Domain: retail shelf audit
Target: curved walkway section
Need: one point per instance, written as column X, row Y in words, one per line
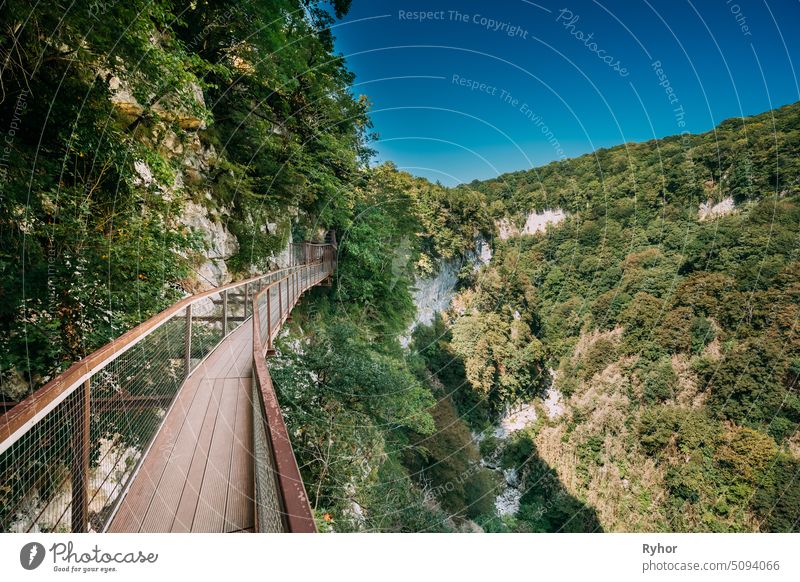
column 173, row 426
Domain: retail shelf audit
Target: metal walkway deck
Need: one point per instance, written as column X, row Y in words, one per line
column 198, row 474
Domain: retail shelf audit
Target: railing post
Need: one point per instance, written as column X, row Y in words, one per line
column 269, row 320
column 80, row 458
column 187, row 342
column 246, row 293
column 224, row 313
column 280, row 302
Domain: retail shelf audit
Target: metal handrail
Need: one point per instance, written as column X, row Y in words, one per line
column 74, row 388
column 296, row 514
column 14, row 423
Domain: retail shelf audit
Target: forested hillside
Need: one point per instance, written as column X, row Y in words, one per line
column 652, row 331
column 666, row 304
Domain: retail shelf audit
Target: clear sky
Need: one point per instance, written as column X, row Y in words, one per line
column 472, row 89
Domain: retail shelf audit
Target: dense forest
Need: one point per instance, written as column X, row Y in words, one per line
column 660, row 314
column 666, row 306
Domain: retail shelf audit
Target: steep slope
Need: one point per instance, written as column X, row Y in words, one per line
column 672, row 328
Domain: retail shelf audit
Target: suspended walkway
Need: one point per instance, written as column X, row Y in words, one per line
column 172, row 427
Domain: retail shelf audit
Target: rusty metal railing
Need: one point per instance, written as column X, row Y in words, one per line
column 69, row 450
column 280, row 496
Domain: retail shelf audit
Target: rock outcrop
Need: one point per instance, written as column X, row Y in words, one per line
column 433, row 295
column 709, row 210
column 535, row 223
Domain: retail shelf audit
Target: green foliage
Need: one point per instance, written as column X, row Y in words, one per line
column 702, row 334
column 433, row 355
column 608, row 307
column 656, row 428
column 503, row 361
column 641, row 317
column 517, row 451
column 659, row 382
column 448, row 463
column 599, row 355
column 547, row 507
column 748, row 387
column 777, row 498
column 717, row 297
column 349, row 405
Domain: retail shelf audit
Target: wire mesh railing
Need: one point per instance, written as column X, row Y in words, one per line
column 280, row 496
column 69, row 450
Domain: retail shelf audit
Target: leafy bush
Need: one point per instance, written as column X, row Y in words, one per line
column 659, row 382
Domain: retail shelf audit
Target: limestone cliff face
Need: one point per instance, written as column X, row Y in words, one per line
column 433, row 295
column 710, row 210
column 535, row 223
column 176, row 137
column 220, row 244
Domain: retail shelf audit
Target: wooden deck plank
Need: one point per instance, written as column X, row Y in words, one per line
column 167, row 494
column 242, row 367
column 241, row 356
column 134, row 505
column 210, row 514
column 191, row 488
column 164, row 474
column 240, row 504
column 236, row 348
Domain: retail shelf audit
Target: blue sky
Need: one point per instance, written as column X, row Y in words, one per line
column 469, row 90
